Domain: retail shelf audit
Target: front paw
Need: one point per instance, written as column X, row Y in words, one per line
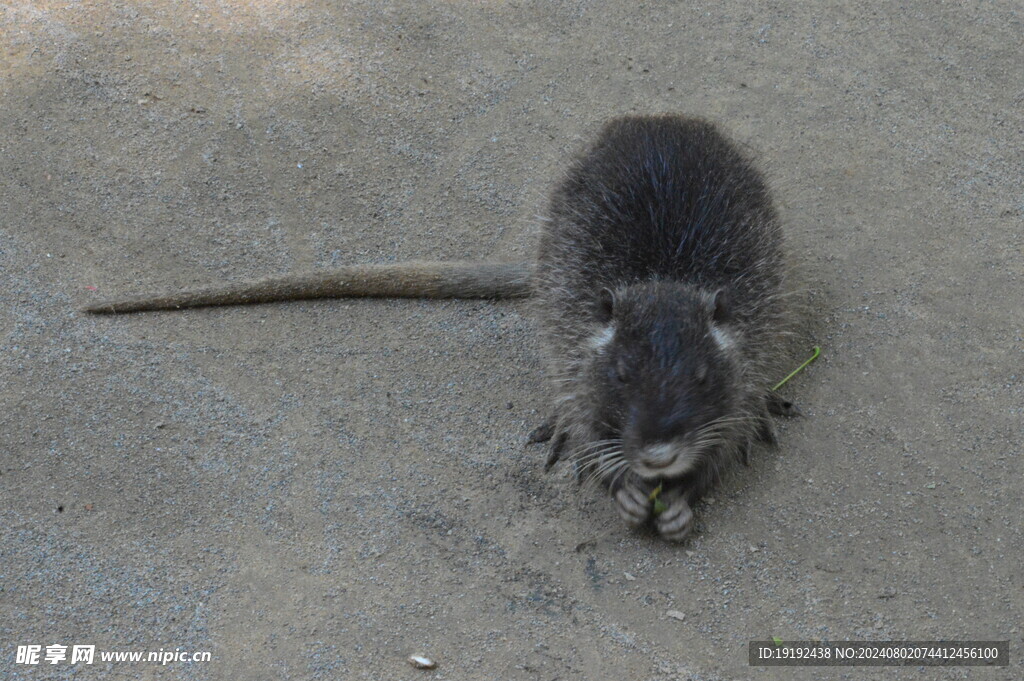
column 676, row 521
column 634, row 504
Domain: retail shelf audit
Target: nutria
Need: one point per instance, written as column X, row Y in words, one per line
column 657, row 288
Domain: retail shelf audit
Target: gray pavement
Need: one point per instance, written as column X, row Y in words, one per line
column 318, row 490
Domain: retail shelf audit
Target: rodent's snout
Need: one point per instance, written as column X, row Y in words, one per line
column 657, row 456
column 658, row 434
column 663, row 460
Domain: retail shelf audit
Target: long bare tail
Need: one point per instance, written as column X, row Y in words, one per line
column 400, row 280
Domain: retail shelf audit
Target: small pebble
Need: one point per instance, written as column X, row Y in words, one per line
column 421, row 662
column 676, row 615
column 629, row 577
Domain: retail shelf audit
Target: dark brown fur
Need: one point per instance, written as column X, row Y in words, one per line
column 663, row 232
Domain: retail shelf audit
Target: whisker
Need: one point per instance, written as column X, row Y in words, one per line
column 609, row 465
column 622, row 471
column 597, row 457
column 588, row 446
column 599, row 471
column 594, row 452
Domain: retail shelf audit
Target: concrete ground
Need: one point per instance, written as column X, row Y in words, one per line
column 318, row 490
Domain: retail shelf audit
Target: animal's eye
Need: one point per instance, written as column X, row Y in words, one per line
column 621, row 370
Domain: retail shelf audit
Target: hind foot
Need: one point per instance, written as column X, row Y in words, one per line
column 546, row 432
column 780, row 406
column 541, row 433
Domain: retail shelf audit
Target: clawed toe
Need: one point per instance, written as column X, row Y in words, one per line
column 555, row 452
column 548, row 432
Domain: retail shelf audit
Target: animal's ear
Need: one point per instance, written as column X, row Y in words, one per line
column 605, row 305
column 718, row 303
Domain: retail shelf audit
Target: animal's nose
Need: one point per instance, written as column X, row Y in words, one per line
column 658, row 456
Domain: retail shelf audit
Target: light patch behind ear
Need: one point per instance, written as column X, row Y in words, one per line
column 717, row 303
column 602, row 338
column 723, row 339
